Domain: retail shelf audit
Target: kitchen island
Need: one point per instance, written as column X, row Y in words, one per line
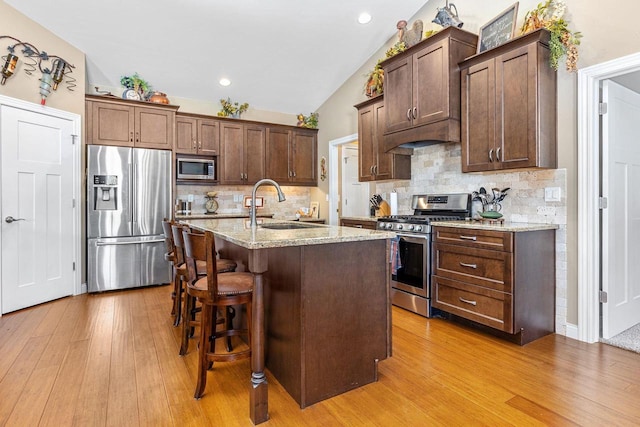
column 321, row 310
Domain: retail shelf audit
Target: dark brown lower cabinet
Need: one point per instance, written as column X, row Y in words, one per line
column 327, row 315
column 503, row 280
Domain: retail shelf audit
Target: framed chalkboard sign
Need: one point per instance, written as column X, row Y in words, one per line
column 499, row 30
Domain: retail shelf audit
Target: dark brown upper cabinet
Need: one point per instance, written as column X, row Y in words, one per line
column 129, row 123
column 509, row 106
column 291, row 155
column 242, row 153
column 198, row 135
column 373, row 163
column 422, row 90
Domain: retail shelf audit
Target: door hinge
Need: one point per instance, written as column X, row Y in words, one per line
column 73, row 139
column 602, row 203
column 603, row 297
column 602, row 108
column 74, row 266
column 73, row 203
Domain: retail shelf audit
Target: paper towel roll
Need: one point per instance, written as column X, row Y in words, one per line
column 393, row 201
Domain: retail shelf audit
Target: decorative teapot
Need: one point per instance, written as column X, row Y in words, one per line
column 447, row 17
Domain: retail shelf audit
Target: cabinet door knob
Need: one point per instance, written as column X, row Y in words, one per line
column 415, row 112
column 491, row 155
column 468, row 238
column 498, row 154
column 194, row 144
column 137, row 136
column 130, row 136
column 199, row 145
column 409, row 114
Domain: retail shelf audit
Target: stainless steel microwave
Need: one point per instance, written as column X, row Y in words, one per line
column 192, row 168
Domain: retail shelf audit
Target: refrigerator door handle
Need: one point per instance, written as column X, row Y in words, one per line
column 133, row 192
column 138, row 242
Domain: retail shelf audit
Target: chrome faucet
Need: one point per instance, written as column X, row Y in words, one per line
column 252, row 208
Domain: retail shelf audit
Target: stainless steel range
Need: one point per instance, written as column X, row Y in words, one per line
column 411, row 250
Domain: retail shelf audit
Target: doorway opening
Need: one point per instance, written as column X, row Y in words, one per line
column 590, row 200
column 336, row 183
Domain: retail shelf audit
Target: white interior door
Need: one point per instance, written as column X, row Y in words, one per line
column 621, row 219
column 37, row 192
column 355, row 194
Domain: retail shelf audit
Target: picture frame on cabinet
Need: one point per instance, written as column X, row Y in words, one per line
column 499, row 30
column 314, row 209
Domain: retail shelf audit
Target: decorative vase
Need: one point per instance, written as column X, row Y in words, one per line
column 235, row 115
column 159, row 98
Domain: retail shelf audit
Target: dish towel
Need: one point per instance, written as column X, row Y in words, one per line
column 394, row 255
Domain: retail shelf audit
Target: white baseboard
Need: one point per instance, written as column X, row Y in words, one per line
column 572, row 331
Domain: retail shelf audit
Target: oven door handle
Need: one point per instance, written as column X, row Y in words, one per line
column 413, row 238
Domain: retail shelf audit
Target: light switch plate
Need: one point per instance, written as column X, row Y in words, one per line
column 259, row 201
column 552, row 194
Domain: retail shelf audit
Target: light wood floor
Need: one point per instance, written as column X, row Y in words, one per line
column 112, row 359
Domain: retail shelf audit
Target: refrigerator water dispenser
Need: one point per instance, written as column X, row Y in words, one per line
column 105, row 192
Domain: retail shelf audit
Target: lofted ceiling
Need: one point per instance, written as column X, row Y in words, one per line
column 281, row 55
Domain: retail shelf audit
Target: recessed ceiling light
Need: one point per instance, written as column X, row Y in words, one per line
column 225, row 82
column 364, row 18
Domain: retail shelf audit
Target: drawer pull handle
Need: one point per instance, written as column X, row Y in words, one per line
column 466, row 301
column 468, row 265
column 468, row 238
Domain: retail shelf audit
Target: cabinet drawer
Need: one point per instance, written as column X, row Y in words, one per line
column 482, row 305
column 372, row 225
column 496, row 240
column 491, row 269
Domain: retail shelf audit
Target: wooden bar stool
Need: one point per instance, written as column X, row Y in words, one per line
column 214, row 291
column 180, row 268
column 175, row 276
column 189, row 309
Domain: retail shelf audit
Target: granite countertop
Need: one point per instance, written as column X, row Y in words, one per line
column 239, row 232
column 219, row 216
column 495, row 226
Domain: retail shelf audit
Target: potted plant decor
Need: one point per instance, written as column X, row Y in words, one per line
column 563, row 42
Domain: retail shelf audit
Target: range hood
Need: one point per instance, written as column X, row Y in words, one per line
column 421, row 136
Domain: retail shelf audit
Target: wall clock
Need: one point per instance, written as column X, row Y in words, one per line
column 131, row 94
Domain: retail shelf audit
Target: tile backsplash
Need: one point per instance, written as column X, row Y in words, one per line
column 231, row 198
column 437, row 169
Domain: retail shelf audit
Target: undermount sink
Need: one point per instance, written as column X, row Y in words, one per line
column 286, row 226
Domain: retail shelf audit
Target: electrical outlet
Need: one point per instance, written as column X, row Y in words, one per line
column 552, row 194
column 546, row 210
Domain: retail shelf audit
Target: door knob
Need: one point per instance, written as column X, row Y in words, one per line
column 11, row 219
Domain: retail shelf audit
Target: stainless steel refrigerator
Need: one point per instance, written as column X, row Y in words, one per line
column 128, row 195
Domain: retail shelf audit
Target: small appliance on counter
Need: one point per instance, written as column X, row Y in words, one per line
column 183, row 207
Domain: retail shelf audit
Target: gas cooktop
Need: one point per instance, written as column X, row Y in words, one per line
column 428, row 208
